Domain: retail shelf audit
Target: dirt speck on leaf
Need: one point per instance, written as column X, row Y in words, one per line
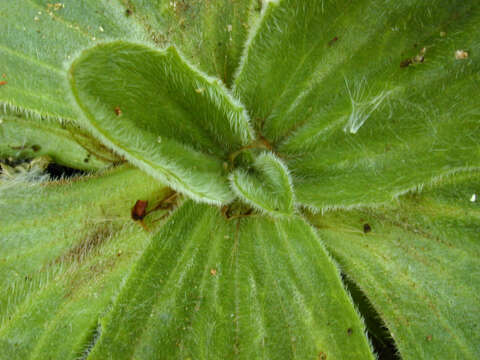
column 405, row 63
column 333, row 41
column 367, row 228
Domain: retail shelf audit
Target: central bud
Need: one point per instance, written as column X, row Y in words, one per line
column 176, row 123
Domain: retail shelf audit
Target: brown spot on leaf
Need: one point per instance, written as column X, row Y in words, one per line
column 322, row 356
column 405, row 63
column 3, row 83
column 234, row 211
column 118, row 111
column 429, row 337
column 333, row 41
column 349, row 331
column 417, row 59
column 91, row 241
column 213, row 272
column 367, row 228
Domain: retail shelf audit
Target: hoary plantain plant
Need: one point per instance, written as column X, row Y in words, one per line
column 289, row 179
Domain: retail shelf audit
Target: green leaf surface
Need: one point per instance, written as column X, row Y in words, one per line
column 65, row 248
column 418, row 263
column 65, row 144
column 40, row 36
column 161, row 114
column 209, row 288
column 359, row 101
column 211, row 34
column 41, row 221
column 267, row 186
column 365, row 99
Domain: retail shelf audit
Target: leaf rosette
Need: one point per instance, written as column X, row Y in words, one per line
column 294, row 134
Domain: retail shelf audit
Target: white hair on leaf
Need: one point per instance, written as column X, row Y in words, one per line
column 363, row 104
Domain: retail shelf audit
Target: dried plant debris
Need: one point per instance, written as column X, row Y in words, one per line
column 417, row 59
column 11, row 169
column 461, row 55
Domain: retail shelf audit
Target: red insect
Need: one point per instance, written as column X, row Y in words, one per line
column 139, row 210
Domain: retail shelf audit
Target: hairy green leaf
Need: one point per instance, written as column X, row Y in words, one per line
column 40, row 36
column 359, row 101
column 418, row 263
column 267, row 186
column 162, row 115
column 364, row 99
column 211, row 34
column 67, row 145
column 209, row 288
column 44, row 219
column 65, row 248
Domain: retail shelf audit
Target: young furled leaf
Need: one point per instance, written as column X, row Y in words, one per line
column 162, row 115
column 267, row 186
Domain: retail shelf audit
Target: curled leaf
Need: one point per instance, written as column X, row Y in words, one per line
column 164, row 116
